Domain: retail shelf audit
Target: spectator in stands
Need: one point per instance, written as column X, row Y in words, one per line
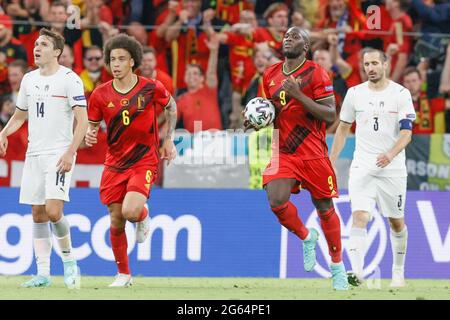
column 16, row 71
column 323, row 58
column 149, row 70
column 187, row 40
column 200, row 102
column 261, row 60
column 435, row 18
column 351, row 69
column 10, row 46
column 137, row 30
column 230, row 11
column 66, row 58
column 94, row 72
column 429, row 112
column 277, row 17
column 6, row 110
column 343, row 18
column 240, row 61
column 444, row 87
column 397, row 43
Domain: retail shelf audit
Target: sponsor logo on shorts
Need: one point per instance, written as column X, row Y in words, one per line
column 410, row 116
column 329, row 88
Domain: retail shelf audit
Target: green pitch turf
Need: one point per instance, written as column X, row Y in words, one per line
column 220, row 289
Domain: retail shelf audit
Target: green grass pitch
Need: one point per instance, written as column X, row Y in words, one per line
column 96, row 288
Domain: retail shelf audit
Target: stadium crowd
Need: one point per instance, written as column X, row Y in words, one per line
column 211, row 55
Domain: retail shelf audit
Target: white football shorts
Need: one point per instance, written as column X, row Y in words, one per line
column 41, row 181
column 388, row 193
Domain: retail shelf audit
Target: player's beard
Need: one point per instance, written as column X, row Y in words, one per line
column 377, row 79
column 294, row 54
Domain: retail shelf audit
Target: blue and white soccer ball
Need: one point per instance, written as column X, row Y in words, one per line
column 260, row 112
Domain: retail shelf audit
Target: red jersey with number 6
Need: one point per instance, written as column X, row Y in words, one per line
column 132, row 129
column 300, row 133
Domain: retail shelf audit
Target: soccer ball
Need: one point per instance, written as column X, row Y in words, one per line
column 260, row 112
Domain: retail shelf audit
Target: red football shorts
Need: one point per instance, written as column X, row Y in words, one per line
column 316, row 175
column 115, row 185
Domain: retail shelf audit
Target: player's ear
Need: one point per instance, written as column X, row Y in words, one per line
column 132, row 62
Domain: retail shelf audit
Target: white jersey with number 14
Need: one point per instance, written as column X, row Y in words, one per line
column 49, row 101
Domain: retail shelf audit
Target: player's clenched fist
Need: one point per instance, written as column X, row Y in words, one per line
column 3, row 145
column 291, row 86
column 91, row 137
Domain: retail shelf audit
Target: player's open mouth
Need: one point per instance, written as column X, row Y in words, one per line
column 37, row 55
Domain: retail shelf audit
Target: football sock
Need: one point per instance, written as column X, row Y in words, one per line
column 42, row 247
column 61, row 230
column 357, row 249
column 331, row 227
column 398, row 244
column 287, row 215
column 119, row 246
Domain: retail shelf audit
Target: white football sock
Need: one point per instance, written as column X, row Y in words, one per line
column 42, row 247
column 398, row 244
column 61, row 229
column 357, row 249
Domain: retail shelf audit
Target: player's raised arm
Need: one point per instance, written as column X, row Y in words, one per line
column 12, row 126
column 169, row 151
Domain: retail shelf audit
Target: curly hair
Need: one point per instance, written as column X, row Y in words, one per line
column 123, row 41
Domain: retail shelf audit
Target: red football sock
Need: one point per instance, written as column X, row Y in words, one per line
column 144, row 214
column 288, row 217
column 119, row 246
column 331, row 227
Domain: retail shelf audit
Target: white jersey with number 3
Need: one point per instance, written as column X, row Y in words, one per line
column 49, row 101
column 378, row 115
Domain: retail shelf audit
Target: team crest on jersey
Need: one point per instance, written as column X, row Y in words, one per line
column 124, row 102
column 381, row 104
column 46, row 88
column 110, row 105
column 446, row 145
column 141, row 102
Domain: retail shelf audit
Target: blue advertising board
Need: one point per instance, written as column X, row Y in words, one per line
column 224, row 233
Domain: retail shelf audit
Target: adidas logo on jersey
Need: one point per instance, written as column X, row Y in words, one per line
column 110, row 105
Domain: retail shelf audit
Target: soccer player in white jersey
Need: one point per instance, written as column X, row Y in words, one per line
column 384, row 113
column 50, row 97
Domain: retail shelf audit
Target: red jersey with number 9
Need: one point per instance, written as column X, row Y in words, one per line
column 132, row 129
column 300, row 133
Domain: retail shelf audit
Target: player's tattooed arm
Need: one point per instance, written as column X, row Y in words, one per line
column 168, row 151
column 324, row 110
column 170, row 112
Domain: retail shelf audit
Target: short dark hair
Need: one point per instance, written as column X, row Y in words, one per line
column 124, row 41
column 57, row 39
column 410, row 70
column 382, row 54
column 196, row 65
column 22, row 64
column 149, row 50
column 58, row 3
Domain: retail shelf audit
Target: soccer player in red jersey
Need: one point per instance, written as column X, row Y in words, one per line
column 128, row 105
column 302, row 94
